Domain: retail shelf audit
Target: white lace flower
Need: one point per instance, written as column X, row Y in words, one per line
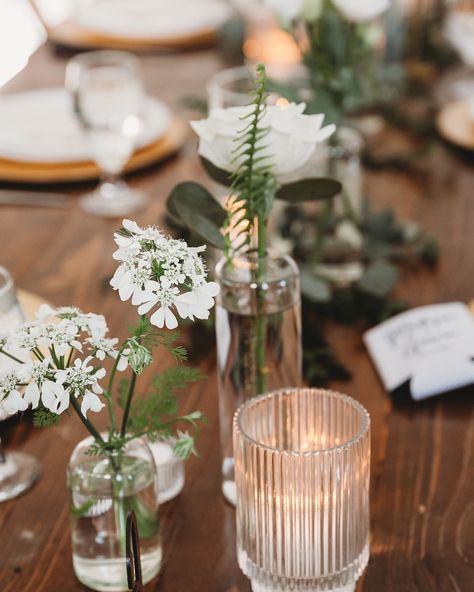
column 163, row 274
column 38, row 372
column 61, row 336
column 91, row 323
column 81, row 380
column 361, row 10
column 55, row 397
column 103, row 347
column 11, row 400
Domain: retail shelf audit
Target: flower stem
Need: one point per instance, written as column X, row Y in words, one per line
column 126, row 412
column 93, row 431
column 110, row 408
column 14, row 358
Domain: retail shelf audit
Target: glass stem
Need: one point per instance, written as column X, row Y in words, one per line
column 3, row 456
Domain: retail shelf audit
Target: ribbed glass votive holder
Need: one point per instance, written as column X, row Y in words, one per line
column 302, row 466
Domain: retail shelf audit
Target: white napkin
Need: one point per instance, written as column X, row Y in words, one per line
column 431, row 347
column 153, row 19
column 39, row 126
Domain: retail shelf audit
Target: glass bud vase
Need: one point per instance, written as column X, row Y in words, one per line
column 103, row 490
column 247, row 312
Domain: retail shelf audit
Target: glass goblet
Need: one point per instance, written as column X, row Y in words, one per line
column 18, row 471
column 107, row 93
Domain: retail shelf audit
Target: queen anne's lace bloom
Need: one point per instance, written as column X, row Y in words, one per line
column 55, row 372
column 164, row 274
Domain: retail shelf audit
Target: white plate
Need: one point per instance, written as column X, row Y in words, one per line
column 39, row 126
column 152, row 19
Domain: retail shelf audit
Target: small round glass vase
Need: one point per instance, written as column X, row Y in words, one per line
column 103, row 490
column 237, row 328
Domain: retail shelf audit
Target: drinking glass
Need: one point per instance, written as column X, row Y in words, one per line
column 107, row 94
column 302, row 465
column 18, row 471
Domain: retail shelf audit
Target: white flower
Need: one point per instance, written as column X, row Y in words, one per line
column 459, row 31
column 289, row 144
column 11, row 400
column 102, row 347
column 81, row 379
column 163, row 274
column 286, row 10
column 198, row 302
column 91, row 402
column 361, row 10
column 290, row 10
column 54, row 397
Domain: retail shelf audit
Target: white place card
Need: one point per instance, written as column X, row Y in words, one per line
column 431, row 348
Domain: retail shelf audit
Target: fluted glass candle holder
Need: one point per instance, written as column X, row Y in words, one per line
column 302, row 460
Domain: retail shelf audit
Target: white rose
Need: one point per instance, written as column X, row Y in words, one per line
column 361, row 10
column 290, row 142
column 286, row 10
column 459, row 31
column 290, row 10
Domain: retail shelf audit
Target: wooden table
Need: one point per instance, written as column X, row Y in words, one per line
column 422, row 503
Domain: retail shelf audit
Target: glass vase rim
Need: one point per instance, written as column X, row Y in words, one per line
column 90, row 439
column 112, row 56
column 363, row 430
column 271, row 255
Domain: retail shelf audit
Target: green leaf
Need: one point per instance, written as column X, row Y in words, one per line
column 309, row 190
column 199, row 211
column 314, row 288
column 218, row 175
column 379, row 279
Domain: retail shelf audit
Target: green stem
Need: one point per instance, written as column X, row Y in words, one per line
column 92, row 430
column 126, row 412
column 14, row 358
column 110, row 408
column 261, row 320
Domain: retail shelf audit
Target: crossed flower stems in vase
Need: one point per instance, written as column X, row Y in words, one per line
column 261, row 152
column 60, row 355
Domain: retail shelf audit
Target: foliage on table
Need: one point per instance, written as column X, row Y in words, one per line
column 340, row 40
column 60, row 356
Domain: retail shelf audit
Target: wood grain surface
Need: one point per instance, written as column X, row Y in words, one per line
column 422, row 490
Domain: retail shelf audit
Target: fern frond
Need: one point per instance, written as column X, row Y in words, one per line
column 253, row 185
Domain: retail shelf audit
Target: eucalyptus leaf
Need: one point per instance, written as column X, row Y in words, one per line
column 309, row 190
column 199, row 211
column 218, row 175
column 379, row 279
column 313, row 287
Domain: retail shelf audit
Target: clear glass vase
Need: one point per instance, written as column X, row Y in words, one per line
column 302, row 462
column 248, row 311
column 103, row 490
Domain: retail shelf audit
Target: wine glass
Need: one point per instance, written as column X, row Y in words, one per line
column 18, row 471
column 108, row 94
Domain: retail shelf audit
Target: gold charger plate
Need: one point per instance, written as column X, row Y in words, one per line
column 456, row 125
column 29, row 172
column 70, row 34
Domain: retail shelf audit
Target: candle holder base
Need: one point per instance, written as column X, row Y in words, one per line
column 256, row 587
